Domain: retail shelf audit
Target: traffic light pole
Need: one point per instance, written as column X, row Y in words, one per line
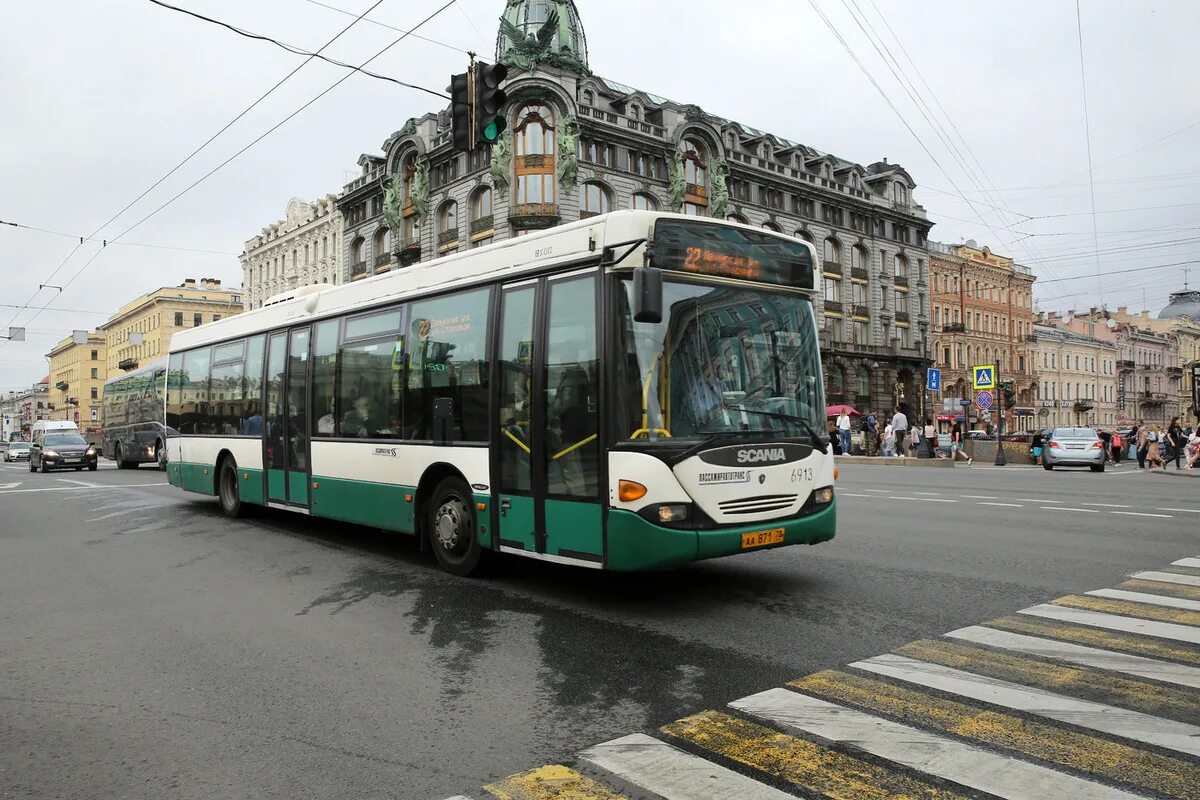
column 1001, row 459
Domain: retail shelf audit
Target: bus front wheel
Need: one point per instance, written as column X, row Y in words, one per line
column 227, row 489
column 451, row 528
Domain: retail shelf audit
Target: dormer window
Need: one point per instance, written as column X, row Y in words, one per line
column 635, row 111
column 900, row 193
column 589, row 98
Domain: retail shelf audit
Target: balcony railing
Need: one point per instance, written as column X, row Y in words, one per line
column 858, row 273
column 383, row 259
column 834, row 306
column 1124, row 363
column 127, row 364
column 860, row 311
column 1175, row 371
column 358, row 268
column 1032, row 338
column 448, row 237
column 902, row 316
column 954, row 327
column 535, row 210
column 483, row 224
column 901, row 280
column 832, row 267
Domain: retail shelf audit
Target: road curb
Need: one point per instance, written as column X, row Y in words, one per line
column 1194, row 473
column 893, row 461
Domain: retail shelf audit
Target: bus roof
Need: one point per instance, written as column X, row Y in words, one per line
column 559, row 245
column 160, row 363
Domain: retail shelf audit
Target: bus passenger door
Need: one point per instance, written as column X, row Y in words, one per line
column 512, row 445
column 286, row 451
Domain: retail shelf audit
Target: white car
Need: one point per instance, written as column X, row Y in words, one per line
column 17, row 451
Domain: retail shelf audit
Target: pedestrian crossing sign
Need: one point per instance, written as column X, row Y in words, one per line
column 985, row 376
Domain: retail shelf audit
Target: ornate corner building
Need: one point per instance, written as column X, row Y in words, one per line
column 578, row 145
column 304, row 247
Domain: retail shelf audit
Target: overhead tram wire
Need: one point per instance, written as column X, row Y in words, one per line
column 258, row 139
column 188, row 158
column 83, row 239
column 294, row 49
column 1087, row 129
column 379, row 24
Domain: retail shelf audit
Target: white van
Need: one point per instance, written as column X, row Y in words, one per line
column 44, row 426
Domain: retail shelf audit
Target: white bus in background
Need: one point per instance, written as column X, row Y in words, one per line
column 631, row 391
column 132, row 431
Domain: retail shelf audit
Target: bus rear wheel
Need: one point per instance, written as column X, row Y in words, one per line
column 451, row 528
column 119, row 457
column 227, row 489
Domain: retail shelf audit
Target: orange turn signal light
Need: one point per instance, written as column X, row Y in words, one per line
column 481, row 506
column 835, row 473
column 628, row 491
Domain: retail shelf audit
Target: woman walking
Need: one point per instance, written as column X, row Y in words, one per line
column 956, row 444
column 1175, row 442
column 1154, row 454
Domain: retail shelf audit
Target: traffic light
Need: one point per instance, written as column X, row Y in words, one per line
column 1006, row 388
column 460, row 111
column 489, row 102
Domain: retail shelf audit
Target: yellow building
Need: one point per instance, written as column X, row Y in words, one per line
column 77, row 374
column 140, row 332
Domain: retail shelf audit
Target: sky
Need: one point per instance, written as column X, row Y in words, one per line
column 102, row 99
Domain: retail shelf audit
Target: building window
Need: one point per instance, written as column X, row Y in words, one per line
column 95, row 355
column 900, row 193
column 178, row 319
column 900, row 266
column 534, row 139
column 833, row 290
column 644, row 202
column 95, row 392
column 448, row 226
column 381, row 243
column 589, row 98
column 594, row 199
column 95, row 372
column 695, row 176
column 216, row 317
column 358, row 251
column 859, row 257
column 196, row 321
column 833, row 252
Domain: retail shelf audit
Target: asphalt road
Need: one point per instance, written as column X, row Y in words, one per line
column 150, row 648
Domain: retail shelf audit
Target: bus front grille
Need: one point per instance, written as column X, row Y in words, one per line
column 757, row 505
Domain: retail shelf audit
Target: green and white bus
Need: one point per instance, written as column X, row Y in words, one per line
column 632, row 391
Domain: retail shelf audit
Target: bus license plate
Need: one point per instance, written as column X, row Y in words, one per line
column 762, row 538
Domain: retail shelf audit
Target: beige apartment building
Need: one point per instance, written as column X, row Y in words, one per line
column 1077, row 372
column 77, row 374
column 140, row 332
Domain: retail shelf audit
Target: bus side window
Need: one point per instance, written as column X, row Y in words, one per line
column 446, row 359
column 325, row 359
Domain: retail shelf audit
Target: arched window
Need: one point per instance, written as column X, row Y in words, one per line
column 644, row 202
column 738, row 218
column 533, row 133
column 900, row 193
column 358, row 251
column 589, row 97
column 481, row 207
column 833, row 252
column 635, row 111
column 805, row 235
column 593, row 199
column 448, row 220
column 771, row 226
column 381, row 245
column 901, row 266
column 859, row 257
column 695, row 176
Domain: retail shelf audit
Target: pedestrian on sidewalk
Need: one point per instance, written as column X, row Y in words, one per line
column 871, row 439
column 889, row 441
column 1118, row 445
column 1106, row 439
column 900, row 428
column 843, row 428
column 914, row 440
column 1143, row 445
column 1175, row 442
column 1154, row 448
column 1193, row 448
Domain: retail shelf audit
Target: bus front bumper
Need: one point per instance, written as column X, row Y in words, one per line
column 635, row 544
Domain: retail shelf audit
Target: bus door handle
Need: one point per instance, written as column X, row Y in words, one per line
column 505, row 505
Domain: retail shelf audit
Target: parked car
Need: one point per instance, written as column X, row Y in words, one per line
column 17, row 451
column 62, row 451
column 1075, row 447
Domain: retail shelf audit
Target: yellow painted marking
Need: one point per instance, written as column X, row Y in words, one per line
column 554, row 782
column 1113, row 761
column 1130, row 608
column 812, row 767
column 1158, row 587
column 1098, row 637
column 1178, row 702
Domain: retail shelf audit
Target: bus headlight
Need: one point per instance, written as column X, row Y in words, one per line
column 672, row 513
column 823, row 496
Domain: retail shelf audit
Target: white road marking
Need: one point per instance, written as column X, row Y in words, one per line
column 1037, row 500
column 922, row 500
column 83, row 483
column 979, row 496
column 1064, row 508
column 671, row 773
column 1005, row 505
column 1105, row 505
column 1138, row 666
column 929, row 494
column 878, row 491
column 1187, row 562
column 81, row 488
column 1150, row 599
column 1084, row 713
column 1167, row 577
column 852, row 494
column 953, row 760
column 1141, row 514
column 10, row 485
column 1114, row 622
column 1184, row 510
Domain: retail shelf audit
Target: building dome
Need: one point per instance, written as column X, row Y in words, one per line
column 1183, row 304
column 542, row 31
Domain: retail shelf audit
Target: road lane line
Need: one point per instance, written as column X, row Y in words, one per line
column 1163, row 589
column 1138, row 666
column 83, row 483
column 1127, row 608
column 1151, row 599
column 1141, row 514
column 1004, row 505
column 1118, row 762
column 1154, row 699
column 813, row 768
column 80, row 488
column 1038, row 500
column 1084, row 713
column 878, row 491
column 548, row 783
column 851, row 494
column 910, row 498
column 1064, row 508
column 1095, row 619
column 1187, row 562
column 1163, row 577
column 979, row 496
column 664, row 769
column 947, row 758
column 928, row 494
column 1098, row 638
column 1105, row 505
column 1184, row 510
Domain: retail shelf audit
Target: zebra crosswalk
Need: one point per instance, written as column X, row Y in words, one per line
column 1086, row 697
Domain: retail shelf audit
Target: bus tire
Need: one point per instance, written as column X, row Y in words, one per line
column 227, row 489
column 119, row 457
column 451, row 528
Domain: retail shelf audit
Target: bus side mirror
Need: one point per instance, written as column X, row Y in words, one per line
column 647, row 295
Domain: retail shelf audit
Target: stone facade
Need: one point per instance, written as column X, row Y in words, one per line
column 1077, row 371
column 155, row 316
column 579, row 145
column 77, row 375
column 982, row 313
column 19, row 410
column 304, row 247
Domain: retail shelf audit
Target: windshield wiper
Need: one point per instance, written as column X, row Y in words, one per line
column 820, row 442
column 705, row 444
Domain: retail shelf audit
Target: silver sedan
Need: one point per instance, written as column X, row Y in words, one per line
column 1073, row 447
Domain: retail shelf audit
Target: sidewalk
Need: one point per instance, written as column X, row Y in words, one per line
column 895, row 461
column 1178, row 473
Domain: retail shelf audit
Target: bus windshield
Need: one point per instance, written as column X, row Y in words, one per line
column 722, row 360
